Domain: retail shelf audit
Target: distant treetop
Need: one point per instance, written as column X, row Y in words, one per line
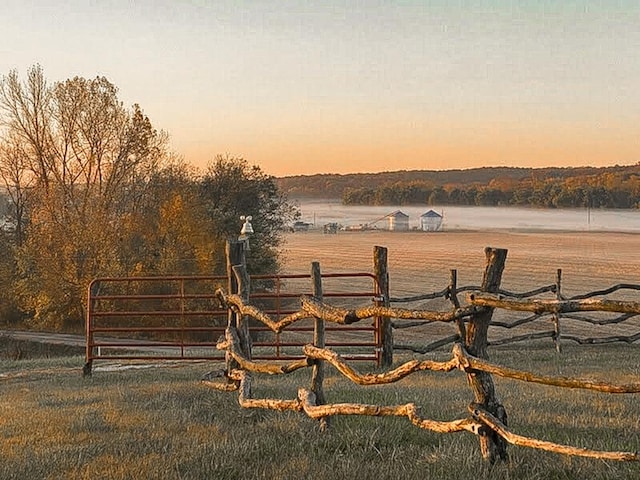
column 611, row 187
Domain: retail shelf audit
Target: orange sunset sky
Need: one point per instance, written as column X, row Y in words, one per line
column 303, row 87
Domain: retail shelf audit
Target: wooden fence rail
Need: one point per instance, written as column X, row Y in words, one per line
column 487, row 417
column 542, row 310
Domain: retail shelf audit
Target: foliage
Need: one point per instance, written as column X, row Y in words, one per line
column 231, row 188
column 9, row 312
column 74, row 161
column 93, row 190
column 605, row 190
column 610, row 187
column 164, row 231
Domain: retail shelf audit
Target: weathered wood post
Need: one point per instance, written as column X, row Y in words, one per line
column 453, row 298
column 242, row 321
column 492, row 446
column 384, row 325
column 317, row 375
column 235, row 256
column 92, row 293
column 556, row 316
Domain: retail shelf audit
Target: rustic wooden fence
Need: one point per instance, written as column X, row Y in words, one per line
column 548, row 314
column 487, row 417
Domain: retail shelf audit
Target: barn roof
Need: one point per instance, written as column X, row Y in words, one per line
column 431, row 214
column 398, row 214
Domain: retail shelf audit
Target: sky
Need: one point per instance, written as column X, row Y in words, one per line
column 305, row 87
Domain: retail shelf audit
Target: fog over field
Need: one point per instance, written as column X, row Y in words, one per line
column 592, row 248
column 320, row 212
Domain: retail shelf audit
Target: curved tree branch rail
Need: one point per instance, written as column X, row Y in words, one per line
column 480, row 420
column 561, row 307
column 581, row 303
column 554, row 306
column 446, row 292
column 487, row 418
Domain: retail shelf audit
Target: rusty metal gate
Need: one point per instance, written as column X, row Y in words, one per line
column 178, row 317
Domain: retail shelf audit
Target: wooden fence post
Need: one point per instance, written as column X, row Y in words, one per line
column 492, row 446
column 235, row 256
column 242, row 321
column 385, row 327
column 92, row 292
column 453, row 298
column 317, row 375
column 556, row 316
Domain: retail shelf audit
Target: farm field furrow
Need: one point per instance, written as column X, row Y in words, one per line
column 419, row 263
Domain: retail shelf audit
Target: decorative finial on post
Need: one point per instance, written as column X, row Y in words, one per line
column 247, row 229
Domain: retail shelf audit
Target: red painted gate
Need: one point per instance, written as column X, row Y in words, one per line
column 178, row 317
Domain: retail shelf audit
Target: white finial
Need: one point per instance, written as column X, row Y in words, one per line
column 247, row 228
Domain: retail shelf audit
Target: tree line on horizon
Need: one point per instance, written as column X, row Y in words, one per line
column 607, row 191
column 605, row 187
column 91, row 189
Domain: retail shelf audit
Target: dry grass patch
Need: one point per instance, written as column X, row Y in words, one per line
column 162, row 423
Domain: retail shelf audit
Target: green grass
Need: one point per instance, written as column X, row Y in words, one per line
column 163, row 423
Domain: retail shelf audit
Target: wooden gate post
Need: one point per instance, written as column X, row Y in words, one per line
column 235, row 256
column 492, row 446
column 92, row 292
column 235, row 253
column 242, row 321
column 384, row 326
column 317, row 375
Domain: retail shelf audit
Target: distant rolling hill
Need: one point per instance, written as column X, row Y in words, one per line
column 334, row 185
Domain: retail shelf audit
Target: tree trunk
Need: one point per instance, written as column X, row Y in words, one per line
column 493, row 447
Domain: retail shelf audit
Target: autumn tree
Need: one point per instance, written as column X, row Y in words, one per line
column 75, row 161
column 16, row 179
column 168, row 230
column 231, row 188
column 92, row 191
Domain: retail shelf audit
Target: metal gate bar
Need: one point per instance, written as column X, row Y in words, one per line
column 124, row 324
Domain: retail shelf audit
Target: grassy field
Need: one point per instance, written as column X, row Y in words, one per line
column 163, row 423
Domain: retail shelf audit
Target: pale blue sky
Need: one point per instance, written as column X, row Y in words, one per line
column 328, row 86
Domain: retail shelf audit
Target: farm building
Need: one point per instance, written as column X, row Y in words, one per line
column 431, row 221
column 398, row 221
column 301, row 226
column 331, row 228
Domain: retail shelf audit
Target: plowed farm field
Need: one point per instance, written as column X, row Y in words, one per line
column 420, row 262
